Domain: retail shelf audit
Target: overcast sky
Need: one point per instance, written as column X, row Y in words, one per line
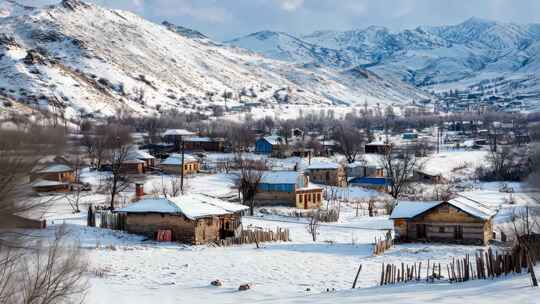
column 227, row 19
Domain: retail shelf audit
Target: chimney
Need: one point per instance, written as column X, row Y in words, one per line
column 139, row 191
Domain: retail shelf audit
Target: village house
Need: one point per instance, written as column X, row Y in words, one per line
column 52, row 178
column 273, row 145
column 147, row 158
column 459, row 220
column 289, row 188
column 133, row 166
column 428, row 176
column 206, row 144
column 176, row 136
column 377, row 147
column 173, row 164
column 331, row 174
column 192, row 218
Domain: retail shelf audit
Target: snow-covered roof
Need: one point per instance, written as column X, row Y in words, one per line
column 139, row 154
column 133, row 161
column 203, row 139
column 274, row 140
column 472, row 207
column 55, row 168
column 376, row 143
column 280, row 177
column 310, row 187
column 322, row 166
column 193, row 206
column 47, row 183
column 231, row 207
column 469, row 206
column 178, row 132
column 407, row 209
column 176, row 159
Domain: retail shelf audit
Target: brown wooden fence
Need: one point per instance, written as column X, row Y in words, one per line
column 255, row 236
column 484, row 265
column 381, row 245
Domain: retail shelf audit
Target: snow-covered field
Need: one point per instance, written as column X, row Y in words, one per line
column 129, row 269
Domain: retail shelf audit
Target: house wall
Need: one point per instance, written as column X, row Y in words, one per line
column 309, row 199
column 132, row 168
column 262, row 146
column 55, row 188
column 215, row 146
column 184, row 230
column 332, row 177
column 68, row 176
column 276, row 198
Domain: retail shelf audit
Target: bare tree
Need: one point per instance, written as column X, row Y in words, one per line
column 313, row 225
column 31, row 271
column 250, row 175
column 399, row 167
column 349, row 140
column 119, row 144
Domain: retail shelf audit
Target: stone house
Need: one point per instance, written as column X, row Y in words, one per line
column 193, row 219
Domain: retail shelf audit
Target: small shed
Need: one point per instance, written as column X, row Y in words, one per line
column 460, row 220
column 193, row 218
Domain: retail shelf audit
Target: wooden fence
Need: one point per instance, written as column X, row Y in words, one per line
column 484, row 265
column 107, row 219
column 381, row 245
column 256, row 236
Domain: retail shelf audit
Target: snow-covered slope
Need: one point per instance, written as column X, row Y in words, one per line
column 459, row 56
column 76, row 57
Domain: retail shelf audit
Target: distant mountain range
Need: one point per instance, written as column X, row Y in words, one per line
column 79, row 58
column 501, row 57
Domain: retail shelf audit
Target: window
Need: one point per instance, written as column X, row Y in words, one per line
column 441, row 229
column 300, row 198
column 318, row 197
column 444, row 209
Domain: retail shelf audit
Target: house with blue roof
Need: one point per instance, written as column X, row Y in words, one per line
column 288, row 188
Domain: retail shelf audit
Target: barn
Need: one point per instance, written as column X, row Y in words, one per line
column 193, row 218
column 459, row 220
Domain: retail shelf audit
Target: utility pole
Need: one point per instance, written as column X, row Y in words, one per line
column 182, row 166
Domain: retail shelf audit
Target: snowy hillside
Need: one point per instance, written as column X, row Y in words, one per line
column 80, row 58
column 463, row 56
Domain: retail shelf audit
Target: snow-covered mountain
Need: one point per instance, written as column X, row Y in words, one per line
column 470, row 54
column 76, row 57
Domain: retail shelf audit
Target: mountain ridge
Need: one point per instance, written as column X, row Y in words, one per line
column 75, row 57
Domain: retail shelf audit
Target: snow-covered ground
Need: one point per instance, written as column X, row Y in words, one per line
column 130, row 269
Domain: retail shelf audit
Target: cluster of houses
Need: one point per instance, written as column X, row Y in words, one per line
column 199, row 219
